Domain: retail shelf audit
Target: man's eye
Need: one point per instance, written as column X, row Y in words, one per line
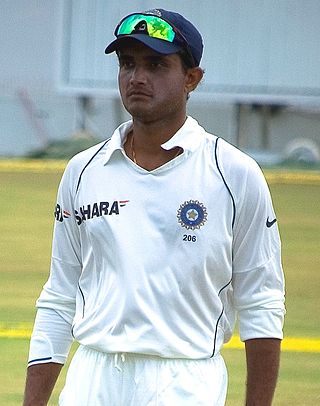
column 156, row 64
column 126, row 64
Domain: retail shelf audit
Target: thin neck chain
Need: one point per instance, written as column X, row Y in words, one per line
column 133, row 152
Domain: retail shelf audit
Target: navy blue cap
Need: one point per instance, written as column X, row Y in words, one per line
column 187, row 37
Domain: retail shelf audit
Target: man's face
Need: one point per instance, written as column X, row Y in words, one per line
column 152, row 85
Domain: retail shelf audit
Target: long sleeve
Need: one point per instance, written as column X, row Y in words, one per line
column 52, row 338
column 258, row 280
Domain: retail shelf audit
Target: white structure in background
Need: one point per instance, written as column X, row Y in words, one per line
column 261, row 88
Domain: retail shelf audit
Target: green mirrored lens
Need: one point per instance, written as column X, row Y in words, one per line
column 157, row 28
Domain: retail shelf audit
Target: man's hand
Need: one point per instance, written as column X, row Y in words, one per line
column 40, row 382
column 263, row 356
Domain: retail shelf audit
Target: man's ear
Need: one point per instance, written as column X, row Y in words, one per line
column 193, row 78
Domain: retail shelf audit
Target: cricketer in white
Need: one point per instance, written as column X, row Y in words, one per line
column 163, row 234
column 129, row 280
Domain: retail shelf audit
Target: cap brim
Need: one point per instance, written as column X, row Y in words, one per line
column 158, row 45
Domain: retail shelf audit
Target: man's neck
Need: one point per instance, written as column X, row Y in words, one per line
column 151, row 135
column 143, row 144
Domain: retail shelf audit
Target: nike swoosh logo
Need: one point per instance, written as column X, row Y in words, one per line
column 270, row 223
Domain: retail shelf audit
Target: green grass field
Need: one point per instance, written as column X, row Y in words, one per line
column 27, row 199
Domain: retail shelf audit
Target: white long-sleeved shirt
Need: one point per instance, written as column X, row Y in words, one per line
column 159, row 262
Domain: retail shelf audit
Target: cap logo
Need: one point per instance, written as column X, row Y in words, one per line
column 154, row 12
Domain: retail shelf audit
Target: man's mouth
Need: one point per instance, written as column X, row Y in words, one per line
column 138, row 93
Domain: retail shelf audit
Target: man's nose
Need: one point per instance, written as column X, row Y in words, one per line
column 138, row 75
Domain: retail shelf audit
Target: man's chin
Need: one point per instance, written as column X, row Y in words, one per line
column 140, row 112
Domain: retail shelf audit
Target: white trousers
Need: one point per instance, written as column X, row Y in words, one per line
column 98, row 379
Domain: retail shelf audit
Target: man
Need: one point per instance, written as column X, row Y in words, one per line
column 163, row 232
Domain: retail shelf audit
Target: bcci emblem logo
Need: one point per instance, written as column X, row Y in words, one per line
column 192, row 214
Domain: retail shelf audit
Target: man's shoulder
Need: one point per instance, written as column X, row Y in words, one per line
column 83, row 158
column 226, row 155
column 79, row 162
column 97, row 151
column 230, row 156
column 238, row 169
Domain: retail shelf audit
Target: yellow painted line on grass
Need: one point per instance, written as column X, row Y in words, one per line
column 52, row 165
column 300, row 344
column 15, row 333
column 297, row 178
column 32, row 165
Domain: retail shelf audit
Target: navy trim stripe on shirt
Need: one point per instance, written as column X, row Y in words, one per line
column 83, row 298
column 224, row 181
column 215, row 334
column 40, row 359
column 217, row 323
column 89, row 162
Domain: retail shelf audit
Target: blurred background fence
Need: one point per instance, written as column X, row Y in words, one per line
column 261, row 89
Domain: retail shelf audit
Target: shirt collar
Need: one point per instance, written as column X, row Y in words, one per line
column 117, row 140
column 188, row 137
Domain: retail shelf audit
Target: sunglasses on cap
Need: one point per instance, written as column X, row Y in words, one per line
column 154, row 27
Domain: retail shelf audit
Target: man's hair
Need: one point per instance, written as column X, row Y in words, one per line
column 186, row 59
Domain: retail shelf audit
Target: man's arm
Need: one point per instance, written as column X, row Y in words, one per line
column 263, row 356
column 40, row 382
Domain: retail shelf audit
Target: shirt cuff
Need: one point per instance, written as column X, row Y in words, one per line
column 51, row 338
column 261, row 323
